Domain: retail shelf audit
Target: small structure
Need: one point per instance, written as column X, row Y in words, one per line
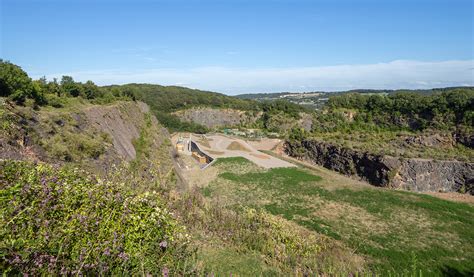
column 200, row 158
column 180, row 144
column 199, row 155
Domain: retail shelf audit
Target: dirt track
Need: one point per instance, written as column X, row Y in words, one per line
column 217, row 147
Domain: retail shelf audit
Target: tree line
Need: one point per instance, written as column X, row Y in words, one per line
column 18, row 86
column 442, row 109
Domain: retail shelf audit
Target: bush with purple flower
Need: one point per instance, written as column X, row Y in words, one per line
column 59, row 221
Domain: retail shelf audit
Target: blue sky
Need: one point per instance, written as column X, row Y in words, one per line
column 239, row 46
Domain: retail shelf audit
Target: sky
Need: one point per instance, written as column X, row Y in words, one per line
column 244, row 46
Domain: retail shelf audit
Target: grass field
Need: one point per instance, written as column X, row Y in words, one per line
column 394, row 231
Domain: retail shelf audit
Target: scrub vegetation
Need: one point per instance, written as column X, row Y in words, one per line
column 395, row 231
column 70, row 204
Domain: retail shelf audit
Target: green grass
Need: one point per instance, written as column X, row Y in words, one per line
column 221, row 261
column 396, row 231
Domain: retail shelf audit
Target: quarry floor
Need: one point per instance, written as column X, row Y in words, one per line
column 222, row 146
column 216, row 145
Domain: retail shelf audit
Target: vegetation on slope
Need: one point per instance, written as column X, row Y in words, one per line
column 398, row 232
column 438, row 125
column 414, row 111
column 81, row 224
column 163, row 100
column 19, row 87
column 317, row 99
column 57, row 221
column 242, row 240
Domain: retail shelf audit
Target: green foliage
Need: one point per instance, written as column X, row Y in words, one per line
column 57, row 221
column 442, row 109
column 15, row 83
column 399, row 232
column 175, row 124
column 171, row 98
column 277, row 106
column 376, row 140
column 279, row 244
column 297, row 134
column 70, row 87
column 74, row 147
column 91, row 91
column 163, row 100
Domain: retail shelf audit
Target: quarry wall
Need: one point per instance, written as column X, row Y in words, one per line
column 387, row 171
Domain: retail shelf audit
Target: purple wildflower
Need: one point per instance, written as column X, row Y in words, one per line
column 165, row 271
column 17, row 259
column 164, row 244
column 123, row 256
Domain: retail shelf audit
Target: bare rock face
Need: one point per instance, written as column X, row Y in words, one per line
column 386, row 171
column 121, row 122
column 306, row 121
column 218, row 118
column 430, row 175
column 464, row 138
column 115, row 126
column 214, row 118
column 431, row 140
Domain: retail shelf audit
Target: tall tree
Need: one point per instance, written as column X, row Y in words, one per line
column 14, row 82
column 70, row 87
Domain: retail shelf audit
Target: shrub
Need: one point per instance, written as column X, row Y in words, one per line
column 56, row 221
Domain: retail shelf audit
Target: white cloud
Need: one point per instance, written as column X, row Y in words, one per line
column 391, row 75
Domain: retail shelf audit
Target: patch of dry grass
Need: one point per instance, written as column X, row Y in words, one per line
column 394, row 230
column 236, row 146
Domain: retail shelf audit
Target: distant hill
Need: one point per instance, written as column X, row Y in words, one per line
column 173, row 98
column 317, row 99
column 165, row 100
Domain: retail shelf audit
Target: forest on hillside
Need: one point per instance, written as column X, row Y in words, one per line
column 440, row 110
column 415, row 110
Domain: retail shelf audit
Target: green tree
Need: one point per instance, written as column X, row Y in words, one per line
column 69, row 86
column 14, row 82
column 54, row 88
column 91, row 90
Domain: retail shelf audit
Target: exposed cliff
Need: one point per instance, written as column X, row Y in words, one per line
column 212, row 118
column 96, row 136
column 217, row 118
column 386, row 171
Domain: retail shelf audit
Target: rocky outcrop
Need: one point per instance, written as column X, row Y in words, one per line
column 464, row 138
column 112, row 129
column 386, row 171
column 432, row 140
column 122, row 122
column 218, row 118
column 214, row 118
